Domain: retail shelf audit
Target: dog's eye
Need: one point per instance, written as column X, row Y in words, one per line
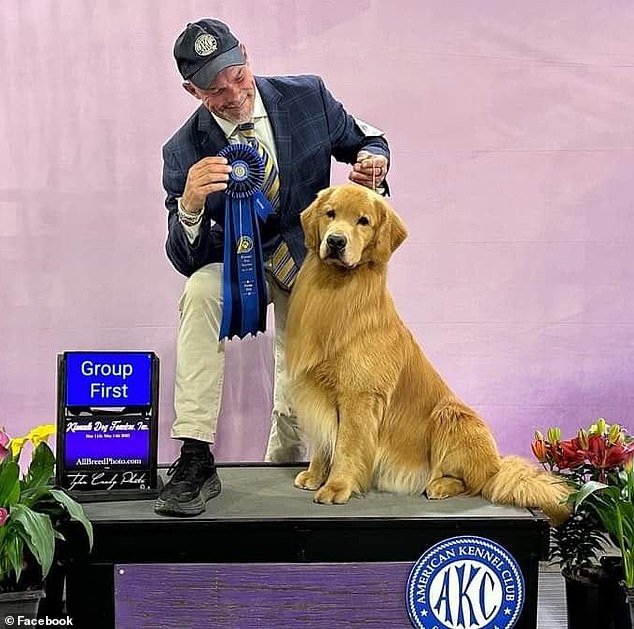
column 330, row 214
column 363, row 220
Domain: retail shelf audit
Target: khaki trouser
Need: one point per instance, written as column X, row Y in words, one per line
column 200, row 367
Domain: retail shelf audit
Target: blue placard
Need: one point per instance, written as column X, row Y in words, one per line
column 107, row 441
column 108, row 379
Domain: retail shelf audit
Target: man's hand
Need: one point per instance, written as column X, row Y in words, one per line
column 369, row 170
column 208, row 175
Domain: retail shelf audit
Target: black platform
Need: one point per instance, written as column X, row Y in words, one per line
column 260, row 518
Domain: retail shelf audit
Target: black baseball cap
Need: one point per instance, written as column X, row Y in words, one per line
column 205, row 48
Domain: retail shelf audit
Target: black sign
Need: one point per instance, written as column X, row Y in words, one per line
column 107, row 424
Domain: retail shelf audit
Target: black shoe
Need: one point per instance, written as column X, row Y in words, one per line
column 194, row 481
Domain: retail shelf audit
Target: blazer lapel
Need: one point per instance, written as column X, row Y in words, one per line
column 212, row 137
column 278, row 117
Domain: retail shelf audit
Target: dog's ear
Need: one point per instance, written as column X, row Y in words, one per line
column 391, row 231
column 310, row 225
column 309, row 219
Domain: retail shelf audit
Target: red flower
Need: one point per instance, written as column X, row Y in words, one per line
column 4, row 516
column 594, row 454
column 569, row 454
column 618, row 454
column 604, row 455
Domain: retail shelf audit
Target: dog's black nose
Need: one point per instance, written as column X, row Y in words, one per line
column 336, row 243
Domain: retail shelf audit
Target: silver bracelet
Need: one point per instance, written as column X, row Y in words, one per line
column 186, row 217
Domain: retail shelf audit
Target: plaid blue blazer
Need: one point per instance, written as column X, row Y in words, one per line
column 309, row 126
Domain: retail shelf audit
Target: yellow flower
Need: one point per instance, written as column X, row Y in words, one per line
column 554, row 434
column 615, row 435
column 16, row 444
column 36, row 436
column 600, row 428
column 582, row 438
column 41, row 433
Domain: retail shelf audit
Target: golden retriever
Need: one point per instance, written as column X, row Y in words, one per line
column 374, row 409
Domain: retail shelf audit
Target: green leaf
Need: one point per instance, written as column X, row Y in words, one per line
column 15, row 554
column 39, row 475
column 75, row 510
column 38, row 535
column 9, row 482
column 31, row 496
column 587, row 490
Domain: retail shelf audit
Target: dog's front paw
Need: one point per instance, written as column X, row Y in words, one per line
column 444, row 487
column 306, row 480
column 337, row 493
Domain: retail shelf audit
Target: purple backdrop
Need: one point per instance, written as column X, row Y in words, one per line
column 512, row 134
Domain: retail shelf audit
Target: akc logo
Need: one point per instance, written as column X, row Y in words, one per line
column 465, row 583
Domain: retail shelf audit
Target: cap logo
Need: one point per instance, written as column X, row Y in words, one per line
column 205, row 45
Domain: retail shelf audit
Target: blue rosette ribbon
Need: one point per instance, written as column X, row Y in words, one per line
column 244, row 284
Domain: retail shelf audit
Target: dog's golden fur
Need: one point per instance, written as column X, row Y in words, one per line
column 376, row 412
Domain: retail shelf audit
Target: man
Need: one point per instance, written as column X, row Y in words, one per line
column 299, row 127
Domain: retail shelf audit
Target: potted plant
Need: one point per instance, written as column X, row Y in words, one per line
column 596, row 457
column 613, row 502
column 32, row 514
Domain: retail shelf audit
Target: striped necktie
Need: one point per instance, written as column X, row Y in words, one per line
column 281, row 262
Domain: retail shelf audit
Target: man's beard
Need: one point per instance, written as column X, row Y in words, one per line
column 239, row 115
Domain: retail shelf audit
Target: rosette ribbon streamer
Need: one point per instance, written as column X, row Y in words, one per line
column 244, row 284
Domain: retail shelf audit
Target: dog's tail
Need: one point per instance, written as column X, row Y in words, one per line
column 521, row 484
